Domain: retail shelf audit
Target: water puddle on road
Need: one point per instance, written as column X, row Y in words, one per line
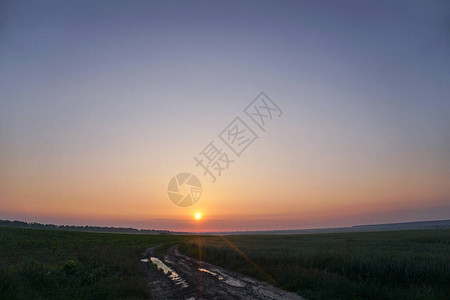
column 211, row 273
column 234, row 282
column 167, row 270
column 228, row 280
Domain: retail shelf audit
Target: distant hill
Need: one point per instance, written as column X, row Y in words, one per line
column 357, row 228
column 406, row 225
column 81, row 228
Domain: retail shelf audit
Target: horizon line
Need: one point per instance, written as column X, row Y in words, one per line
column 230, row 231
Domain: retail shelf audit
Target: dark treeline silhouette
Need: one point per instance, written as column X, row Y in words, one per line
column 81, row 228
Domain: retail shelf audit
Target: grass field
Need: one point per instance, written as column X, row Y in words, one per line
column 54, row 264
column 370, row 265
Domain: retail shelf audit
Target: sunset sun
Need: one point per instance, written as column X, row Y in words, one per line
column 198, row 216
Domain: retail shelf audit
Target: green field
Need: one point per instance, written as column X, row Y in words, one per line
column 370, row 265
column 55, row 264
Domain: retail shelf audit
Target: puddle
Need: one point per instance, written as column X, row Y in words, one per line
column 172, row 274
column 228, row 280
column 211, row 273
column 207, row 271
column 234, row 282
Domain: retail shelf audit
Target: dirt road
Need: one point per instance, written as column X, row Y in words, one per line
column 176, row 276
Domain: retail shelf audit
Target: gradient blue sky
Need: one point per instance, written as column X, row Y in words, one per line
column 103, row 102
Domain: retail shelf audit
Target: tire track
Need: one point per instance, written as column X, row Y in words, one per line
column 177, row 276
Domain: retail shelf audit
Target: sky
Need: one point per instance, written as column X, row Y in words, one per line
column 102, row 103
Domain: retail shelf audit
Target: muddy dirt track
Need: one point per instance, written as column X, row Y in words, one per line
column 176, row 276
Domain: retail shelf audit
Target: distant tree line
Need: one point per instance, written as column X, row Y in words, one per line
column 81, row 228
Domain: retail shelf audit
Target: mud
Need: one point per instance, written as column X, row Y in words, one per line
column 176, row 276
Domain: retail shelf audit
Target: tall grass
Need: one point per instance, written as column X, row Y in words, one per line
column 376, row 265
column 50, row 264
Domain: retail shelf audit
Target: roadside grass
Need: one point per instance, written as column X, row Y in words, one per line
column 370, row 265
column 54, row 264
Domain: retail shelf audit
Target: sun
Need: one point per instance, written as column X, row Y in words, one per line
column 198, row 216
